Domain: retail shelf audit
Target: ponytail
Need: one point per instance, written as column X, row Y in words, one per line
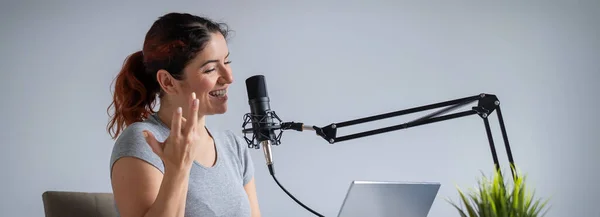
column 134, row 95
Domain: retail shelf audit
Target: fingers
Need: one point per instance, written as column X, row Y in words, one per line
column 183, row 121
column 193, row 117
column 154, row 144
column 176, row 122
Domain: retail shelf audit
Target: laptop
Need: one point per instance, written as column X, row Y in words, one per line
column 387, row 199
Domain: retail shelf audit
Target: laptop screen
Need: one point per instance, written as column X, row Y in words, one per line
column 387, row 199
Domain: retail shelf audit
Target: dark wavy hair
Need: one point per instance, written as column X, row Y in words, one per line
column 172, row 41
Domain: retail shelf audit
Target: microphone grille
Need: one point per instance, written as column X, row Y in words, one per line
column 256, row 87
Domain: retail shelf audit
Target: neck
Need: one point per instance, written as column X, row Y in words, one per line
column 166, row 111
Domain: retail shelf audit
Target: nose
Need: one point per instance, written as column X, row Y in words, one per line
column 226, row 76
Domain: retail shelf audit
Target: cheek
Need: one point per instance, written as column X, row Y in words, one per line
column 202, row 86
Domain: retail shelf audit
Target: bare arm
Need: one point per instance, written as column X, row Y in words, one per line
column 141, row 190
column 250, row 188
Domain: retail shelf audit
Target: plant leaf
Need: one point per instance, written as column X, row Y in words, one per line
column 494, row 197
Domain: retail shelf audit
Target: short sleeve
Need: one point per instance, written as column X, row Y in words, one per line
column 131, row 143
column 245, row 158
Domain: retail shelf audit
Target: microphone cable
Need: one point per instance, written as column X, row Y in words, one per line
column 272, row 172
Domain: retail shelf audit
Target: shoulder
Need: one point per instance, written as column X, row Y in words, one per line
column 131, row 143
column 230, row 141
column 236, row 150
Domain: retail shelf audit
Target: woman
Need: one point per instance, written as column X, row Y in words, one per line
column 168, row 162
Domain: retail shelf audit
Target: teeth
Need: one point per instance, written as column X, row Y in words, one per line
column 218, row 93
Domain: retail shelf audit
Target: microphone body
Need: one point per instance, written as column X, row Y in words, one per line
column 263, row 126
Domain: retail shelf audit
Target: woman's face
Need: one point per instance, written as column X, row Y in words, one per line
column 208, row 75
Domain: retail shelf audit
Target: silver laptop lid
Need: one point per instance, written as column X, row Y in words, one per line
column 387, row 199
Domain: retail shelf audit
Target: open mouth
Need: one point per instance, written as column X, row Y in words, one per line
column 218, row 93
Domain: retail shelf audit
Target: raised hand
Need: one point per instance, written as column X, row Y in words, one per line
column 179, row 149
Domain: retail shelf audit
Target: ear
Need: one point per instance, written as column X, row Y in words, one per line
column 167, row 82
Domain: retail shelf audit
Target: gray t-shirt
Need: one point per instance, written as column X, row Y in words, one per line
column 213, row 191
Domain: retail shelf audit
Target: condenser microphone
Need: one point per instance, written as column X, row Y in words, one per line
column 263, row 127
column 263, row 121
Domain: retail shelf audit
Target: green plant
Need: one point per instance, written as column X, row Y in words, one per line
column 494, row 198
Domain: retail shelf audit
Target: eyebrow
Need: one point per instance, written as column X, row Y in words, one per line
column 212, row 61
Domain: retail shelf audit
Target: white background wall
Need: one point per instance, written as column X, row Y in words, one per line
column 324, row 61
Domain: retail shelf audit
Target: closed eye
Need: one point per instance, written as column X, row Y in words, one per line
column 209, row 70
column 213, row 69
